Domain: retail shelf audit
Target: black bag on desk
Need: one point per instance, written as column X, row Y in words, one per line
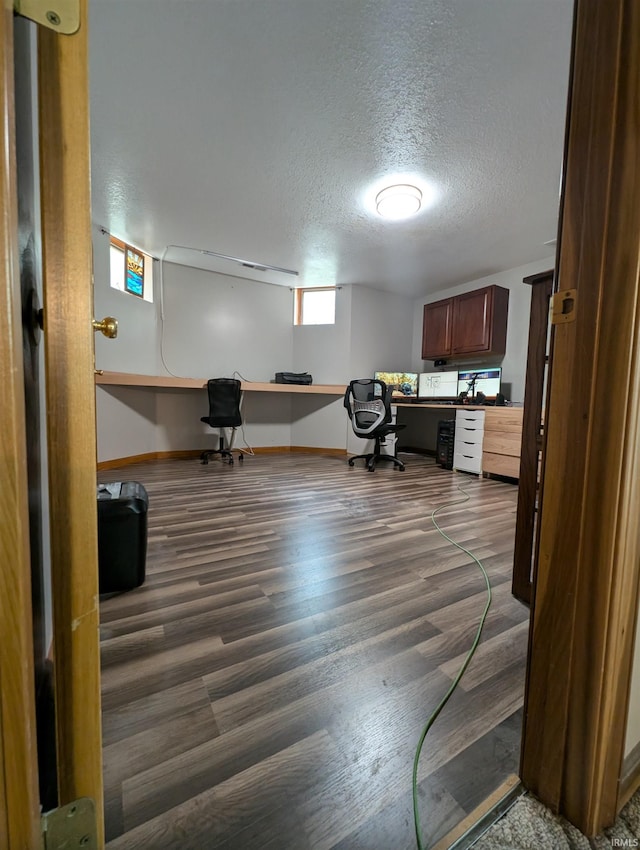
column 293, row 378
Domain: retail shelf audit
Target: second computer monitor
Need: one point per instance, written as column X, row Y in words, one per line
column 438, row 385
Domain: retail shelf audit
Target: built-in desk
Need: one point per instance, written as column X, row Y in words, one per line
column 502, row 433
column 155, row 416
column 502, row 426
column 126, row 379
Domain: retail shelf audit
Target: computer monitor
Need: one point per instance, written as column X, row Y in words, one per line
column 487, row 381
column 403, row 384
column 438, row 385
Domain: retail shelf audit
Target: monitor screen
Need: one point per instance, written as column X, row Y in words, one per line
column 487, row 381
column 403, row 384
column 438, row 385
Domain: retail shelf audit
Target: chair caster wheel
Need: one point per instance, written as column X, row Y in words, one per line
column 350, row 463
column 230, row 461
column 204, row 462
column 241, row 458
column 371, row 469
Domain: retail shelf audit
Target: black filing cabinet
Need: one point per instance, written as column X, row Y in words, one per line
column 122, row 535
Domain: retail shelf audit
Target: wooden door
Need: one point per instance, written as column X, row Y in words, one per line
column 585, row 597
column 529, row 494
column 70, row 441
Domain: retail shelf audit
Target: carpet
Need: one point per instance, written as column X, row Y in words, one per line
column 528, row 825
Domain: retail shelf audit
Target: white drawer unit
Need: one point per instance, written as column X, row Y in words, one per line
column 388, row 444
column 467, row 447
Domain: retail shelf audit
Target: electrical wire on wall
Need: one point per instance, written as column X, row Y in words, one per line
column 160, row 290
column 445, row 699
column 161, row 299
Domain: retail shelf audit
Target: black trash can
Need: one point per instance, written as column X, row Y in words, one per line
column 122, row 535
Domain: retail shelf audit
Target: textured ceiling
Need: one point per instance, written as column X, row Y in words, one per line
column 261, row 128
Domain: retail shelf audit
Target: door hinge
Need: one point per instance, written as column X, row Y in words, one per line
column 563, row 306
column 70, row 827
column 59, row 15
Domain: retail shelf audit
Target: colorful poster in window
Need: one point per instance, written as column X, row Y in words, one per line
column 134, row 282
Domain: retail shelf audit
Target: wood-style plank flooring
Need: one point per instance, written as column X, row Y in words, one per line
column 266, row 687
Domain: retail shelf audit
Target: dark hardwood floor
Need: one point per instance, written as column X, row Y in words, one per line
column 267, row 685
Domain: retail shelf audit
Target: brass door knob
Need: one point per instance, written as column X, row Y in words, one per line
column 108, row 326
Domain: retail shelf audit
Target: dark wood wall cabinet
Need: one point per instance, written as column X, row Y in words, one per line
column 465, row 325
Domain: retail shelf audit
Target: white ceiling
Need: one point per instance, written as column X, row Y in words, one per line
column 260, row 129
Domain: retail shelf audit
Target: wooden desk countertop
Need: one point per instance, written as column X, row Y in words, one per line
column 422, row 405
column 507, row 410
column 127, row 379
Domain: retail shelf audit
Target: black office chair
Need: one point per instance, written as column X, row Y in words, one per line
column 225, row 396
column 368, row 403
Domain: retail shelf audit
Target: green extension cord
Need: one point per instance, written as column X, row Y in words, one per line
column 454, row 684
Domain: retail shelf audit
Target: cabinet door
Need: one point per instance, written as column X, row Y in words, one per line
column 436, row 329
column 472, row 317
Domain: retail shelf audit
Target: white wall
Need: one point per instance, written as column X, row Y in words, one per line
column 220, row 326
column 381, row 334
column 135, row 347
column 372, row 331
column 126, row 421
column 515, row 359
column 126, row 418
column 323, row 350
column 215, row 325
column 266, row 421
column 381, row 328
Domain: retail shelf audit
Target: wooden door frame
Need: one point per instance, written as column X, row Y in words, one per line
column 586, row 584
column 65, row 194
column 63, row 99
column 19, row 797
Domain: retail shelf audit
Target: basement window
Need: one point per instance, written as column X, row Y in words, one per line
column 131, row 269
column 315, row 306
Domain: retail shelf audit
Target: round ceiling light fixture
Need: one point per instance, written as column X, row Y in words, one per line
column 400, row 201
